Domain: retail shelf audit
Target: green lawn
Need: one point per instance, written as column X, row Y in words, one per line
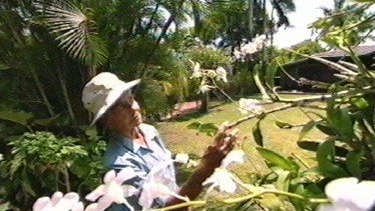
column 180, row 139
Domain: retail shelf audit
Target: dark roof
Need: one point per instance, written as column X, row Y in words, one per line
column 337, row 54
column 360, row 50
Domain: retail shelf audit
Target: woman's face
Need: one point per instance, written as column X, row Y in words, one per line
column 124, row 115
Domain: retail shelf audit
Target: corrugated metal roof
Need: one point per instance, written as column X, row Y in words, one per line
column 360, row 50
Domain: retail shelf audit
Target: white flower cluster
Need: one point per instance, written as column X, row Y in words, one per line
column 250, row 105
column 245, row 51
column 348, row 194
column 157, row 185
column 222, row 179
column 219, row 74
column 59, row 201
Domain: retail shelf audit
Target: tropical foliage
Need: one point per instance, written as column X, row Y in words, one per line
column 49, row 49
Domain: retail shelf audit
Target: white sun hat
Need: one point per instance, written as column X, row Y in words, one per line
column 102, row 91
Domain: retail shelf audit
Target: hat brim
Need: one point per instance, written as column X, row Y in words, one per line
column 113, row 96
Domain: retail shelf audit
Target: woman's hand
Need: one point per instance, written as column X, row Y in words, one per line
column 224, row 142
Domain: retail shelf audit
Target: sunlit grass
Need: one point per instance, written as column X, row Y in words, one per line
column 180, row 139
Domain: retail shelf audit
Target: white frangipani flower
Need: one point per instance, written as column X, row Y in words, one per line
column 197, row 73
column 222, row 178
column 205, row 88
column 348, row 194
column 59, row 202
column 252, row 105
column 234, row 156
column 260, row 42
column 92, row 207
column 249, row 48
column 221, row 74
column 211, row 73
column 1, row 157
column 112, row 191
column 237, row 54
column 182, row 158
column 158, row 185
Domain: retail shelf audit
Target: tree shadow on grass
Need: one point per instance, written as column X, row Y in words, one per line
column 196, row 114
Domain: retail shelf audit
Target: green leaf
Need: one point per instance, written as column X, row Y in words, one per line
column 15, row 164
column 19, row 117
column 25, row 182
column 326, row 129
column 339, row 119
column 306, row 128
column 271, row 70
column 325, row 157
column 3, row 67
column 194, row 125
column 5, row 207
column 46, row 121
column 257, row 134
column 208, row 128
column 283, row 125
column 353, row 163
column 275, row 159
column 308, row 145
column 360, row 102
column 283, row 179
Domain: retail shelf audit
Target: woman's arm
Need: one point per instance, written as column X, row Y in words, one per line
column 211, row 159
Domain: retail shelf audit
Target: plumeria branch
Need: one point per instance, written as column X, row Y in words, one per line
column 246, row 198
column 273, row 191
column 223, row 92
column 244, row 119
column 302, row 101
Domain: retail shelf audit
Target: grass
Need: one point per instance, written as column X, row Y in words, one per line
column 180, row 139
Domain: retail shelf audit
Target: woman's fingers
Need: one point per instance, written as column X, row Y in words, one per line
column 229, row 141
column 223, row 127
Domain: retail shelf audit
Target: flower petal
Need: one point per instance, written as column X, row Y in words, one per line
column 95, row 194
column 109, row 176
column 67, row 202
column 115, row 193
column 125, row 174
column 92, row 207
column 129, row 190
column 56, row 197
column 364, row 194
column 181, row 158
column 104, row 202
column 222, row 179
column 339, row 188
column 78, row 207
column 147, row 196
column 232, row 157
column 42, row 203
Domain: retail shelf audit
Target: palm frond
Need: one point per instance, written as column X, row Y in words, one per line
column 74, row 31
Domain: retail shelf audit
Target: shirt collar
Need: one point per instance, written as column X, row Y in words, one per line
column 128, row 143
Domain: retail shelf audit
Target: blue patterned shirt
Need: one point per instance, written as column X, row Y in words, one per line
column 123, row 152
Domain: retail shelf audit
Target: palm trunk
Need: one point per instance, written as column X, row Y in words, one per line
column 251, row 17
column 66, row 95
column 39, row 85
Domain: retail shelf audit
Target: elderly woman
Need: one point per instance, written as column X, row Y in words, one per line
column 139, row 146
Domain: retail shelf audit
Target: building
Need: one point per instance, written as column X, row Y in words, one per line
column 316, row 71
